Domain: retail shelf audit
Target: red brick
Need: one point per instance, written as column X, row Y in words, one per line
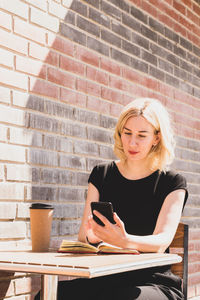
column 194, row 234
column 193, row 38
column 181, row 112
column 167, row 10
column 191, row 246
column 87, row 56
column 98, row 105
column 155, row 3
column 43, row 54
column 88, row 87
column 146, row 6
column 170, row 2
column 179, row 29
column 119, row 83
column 31, row 66
column 29, row 31
column 179, row 7
column 188, row 3
column 115, row 109
column 188, row 121
column 186, row 23
column 138, row 91
column 165, row 89
column 194, row 279
column 196, row 30
column 127, row 99
column 96, row 75
column 132, row 75
column 110, row 66
column 184, row 131
column 61, row 45
column 196, row 9
column 13, row 42
column 194, row 268
column 112, row 95
column 73, row 97
column 194, row 257
column 135, row 2
column 43, row 88
column 196, row 135
column 72, row 65
column 165, row 19
column 151, row 83
column 61, row 78
column 185, row 98
column 191, row 291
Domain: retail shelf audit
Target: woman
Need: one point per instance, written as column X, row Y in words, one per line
column 148, row 200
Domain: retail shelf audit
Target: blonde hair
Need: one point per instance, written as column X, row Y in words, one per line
column 161, row 155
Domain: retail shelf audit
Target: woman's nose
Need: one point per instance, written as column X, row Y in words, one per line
column 133, row 141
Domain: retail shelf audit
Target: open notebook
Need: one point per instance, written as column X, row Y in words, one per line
column 80, row 247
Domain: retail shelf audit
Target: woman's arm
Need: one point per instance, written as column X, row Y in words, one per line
column 92, row 195
column 162, row 236
column 167, row 223
column 165, row 229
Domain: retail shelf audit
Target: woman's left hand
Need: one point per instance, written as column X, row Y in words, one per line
column 113, row 234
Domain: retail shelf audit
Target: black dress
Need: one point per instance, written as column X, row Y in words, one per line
column 137, row 203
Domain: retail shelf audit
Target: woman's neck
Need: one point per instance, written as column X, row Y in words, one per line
column 134, row 170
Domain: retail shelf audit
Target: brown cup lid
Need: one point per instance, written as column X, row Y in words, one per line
column 40, row 206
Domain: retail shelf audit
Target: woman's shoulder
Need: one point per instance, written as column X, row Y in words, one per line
column 104, row 167
column 100, row 172
column 172, row 176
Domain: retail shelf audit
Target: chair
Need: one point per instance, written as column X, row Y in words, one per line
column 179, row 246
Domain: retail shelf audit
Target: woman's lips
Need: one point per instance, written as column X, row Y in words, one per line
column 132, row 152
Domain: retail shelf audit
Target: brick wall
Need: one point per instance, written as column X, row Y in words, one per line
column 67, row 67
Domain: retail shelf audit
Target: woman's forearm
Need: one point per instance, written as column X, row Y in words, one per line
column 148, row 243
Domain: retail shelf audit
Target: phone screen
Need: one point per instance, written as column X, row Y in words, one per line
column 105, row 208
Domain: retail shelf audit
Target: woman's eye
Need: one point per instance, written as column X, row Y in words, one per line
column 127, row 133
column 142, row 136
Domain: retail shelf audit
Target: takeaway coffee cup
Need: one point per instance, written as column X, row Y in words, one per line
column 40, row 220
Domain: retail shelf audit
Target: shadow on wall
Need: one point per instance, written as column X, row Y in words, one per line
column 6, row 286
column 66, row 139
column 67, row 136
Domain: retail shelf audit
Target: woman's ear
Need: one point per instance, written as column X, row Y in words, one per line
column 157, row 139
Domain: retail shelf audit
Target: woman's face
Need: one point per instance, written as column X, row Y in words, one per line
column 138, row 136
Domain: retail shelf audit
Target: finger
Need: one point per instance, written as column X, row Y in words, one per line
column 118, row 221
column 101, row 217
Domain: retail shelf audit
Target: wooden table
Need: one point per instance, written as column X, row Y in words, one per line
column 52, row 264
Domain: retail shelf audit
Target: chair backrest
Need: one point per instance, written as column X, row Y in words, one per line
column 179, row 246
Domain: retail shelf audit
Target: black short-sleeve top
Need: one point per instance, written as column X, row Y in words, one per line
column 137, row 202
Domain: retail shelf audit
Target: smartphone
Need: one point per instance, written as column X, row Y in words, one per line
column 105, row 208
